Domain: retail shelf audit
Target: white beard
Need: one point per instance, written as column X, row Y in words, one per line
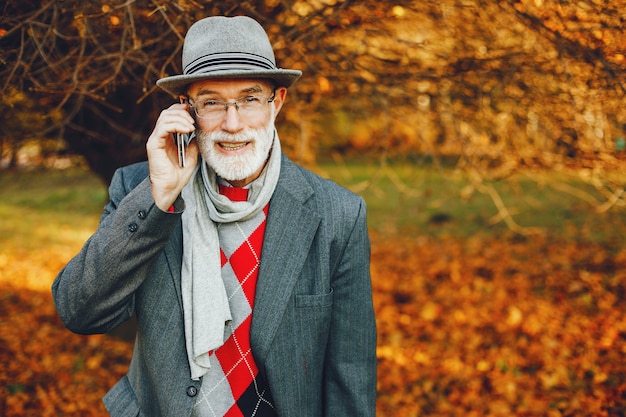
column 241, row 165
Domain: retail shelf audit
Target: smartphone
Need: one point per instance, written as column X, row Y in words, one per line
column 183, row 140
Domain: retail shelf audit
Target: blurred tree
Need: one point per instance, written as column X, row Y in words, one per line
column 95, row 63
column 19, row 116
column 499, row 84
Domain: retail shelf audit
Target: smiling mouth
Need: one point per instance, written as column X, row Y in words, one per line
column 232, row 146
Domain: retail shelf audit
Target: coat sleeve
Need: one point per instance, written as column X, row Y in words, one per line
column 350, row 364
column 94, row 292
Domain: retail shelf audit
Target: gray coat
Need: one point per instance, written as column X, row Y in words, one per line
column 313, row 331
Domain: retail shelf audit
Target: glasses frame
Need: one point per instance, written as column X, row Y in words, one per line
column 227, row 104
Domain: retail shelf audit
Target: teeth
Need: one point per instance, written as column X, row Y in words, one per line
column 232, row 146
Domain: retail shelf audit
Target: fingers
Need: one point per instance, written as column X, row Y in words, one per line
column 175, row 119
column 167, row 176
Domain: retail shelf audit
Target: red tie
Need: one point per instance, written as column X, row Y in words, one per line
column 234, row 193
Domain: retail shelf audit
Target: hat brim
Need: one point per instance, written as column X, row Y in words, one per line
column 177, row 84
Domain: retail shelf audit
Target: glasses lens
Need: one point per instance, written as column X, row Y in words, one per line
column 246, row 106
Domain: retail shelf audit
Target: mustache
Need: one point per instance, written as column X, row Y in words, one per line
column 247, row 135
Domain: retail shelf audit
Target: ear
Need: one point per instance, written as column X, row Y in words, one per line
column 279, row 98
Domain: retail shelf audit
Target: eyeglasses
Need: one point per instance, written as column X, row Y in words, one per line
column 247, row 106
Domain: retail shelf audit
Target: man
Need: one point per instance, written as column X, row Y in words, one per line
column 249, row 275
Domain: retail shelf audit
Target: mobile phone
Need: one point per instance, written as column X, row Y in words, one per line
column 183, row 140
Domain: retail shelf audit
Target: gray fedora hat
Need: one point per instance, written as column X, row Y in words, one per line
column 227, row 47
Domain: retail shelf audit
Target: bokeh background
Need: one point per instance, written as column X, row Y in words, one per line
column 488, row 139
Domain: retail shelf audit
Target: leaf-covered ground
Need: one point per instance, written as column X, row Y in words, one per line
column 500, row 327
column 479, row 327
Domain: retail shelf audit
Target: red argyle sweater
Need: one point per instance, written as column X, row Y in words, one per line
column 233, row 386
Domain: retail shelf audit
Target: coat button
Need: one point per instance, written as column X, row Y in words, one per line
column 192, row 391
column 133, row 227
column 141, row 214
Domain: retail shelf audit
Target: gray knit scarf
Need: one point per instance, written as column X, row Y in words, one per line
column 205, row 304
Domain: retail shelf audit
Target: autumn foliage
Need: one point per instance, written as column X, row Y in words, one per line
column 47, row 371
column 500, row 327
column 510, row 84
column 484, row 326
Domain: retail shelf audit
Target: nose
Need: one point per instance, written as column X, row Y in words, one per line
column 232, row 121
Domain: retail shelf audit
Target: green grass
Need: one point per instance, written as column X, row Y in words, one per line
column 39, row 207
column 52, row 191
column 52, row 207
column 413, row 199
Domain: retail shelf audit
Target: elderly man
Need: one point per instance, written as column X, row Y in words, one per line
column 248, row 275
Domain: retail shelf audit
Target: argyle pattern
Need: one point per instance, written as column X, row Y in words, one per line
column 233, row 386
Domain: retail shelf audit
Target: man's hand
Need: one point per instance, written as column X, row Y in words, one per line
column 167, row 177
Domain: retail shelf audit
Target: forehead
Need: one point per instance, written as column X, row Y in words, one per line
column 228, row 87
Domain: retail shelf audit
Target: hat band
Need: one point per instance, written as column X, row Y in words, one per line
column 228, row 61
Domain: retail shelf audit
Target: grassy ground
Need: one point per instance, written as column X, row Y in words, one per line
column 51, row 213
column 46, row 218
column 436, row 201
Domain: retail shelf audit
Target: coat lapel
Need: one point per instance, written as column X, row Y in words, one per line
column 289, row 232
column 173, row 254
